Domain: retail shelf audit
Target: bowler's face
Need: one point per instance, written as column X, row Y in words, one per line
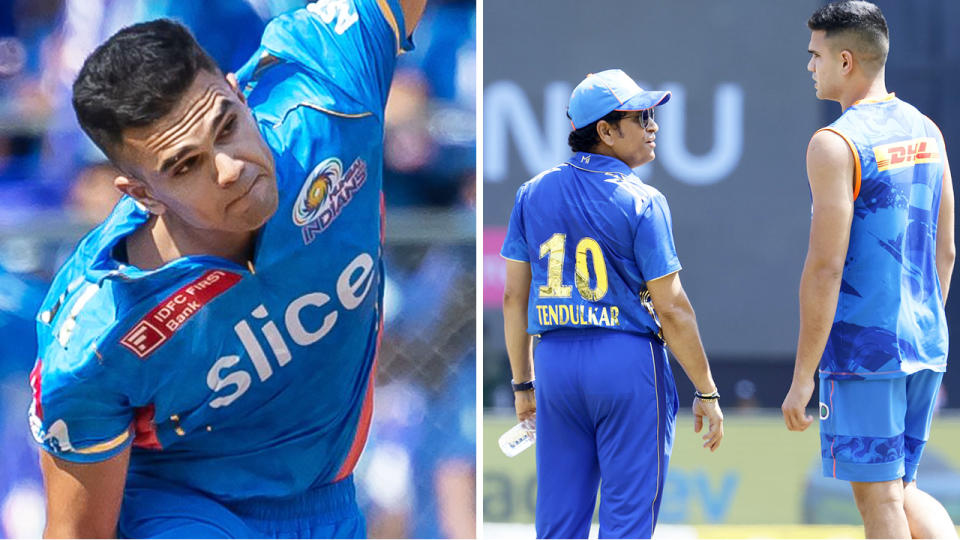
column 205, row 161
column 635, row 145
column 824, row 64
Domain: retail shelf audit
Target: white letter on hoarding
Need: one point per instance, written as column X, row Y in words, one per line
column 727, row 148
column 507, row 111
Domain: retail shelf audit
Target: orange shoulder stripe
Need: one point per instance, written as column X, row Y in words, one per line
column 856, row 159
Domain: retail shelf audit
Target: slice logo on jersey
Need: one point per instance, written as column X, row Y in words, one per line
column 906, row 153
column 169, row 316
column 325, row 193
column 231, row 376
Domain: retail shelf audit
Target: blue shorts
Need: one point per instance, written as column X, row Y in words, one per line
column 606, row 407
column 875, row 431
column 157, row 509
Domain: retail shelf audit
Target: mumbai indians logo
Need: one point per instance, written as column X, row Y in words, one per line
column 325, row 193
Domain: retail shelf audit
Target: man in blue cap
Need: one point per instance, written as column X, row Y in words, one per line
column 607, row 401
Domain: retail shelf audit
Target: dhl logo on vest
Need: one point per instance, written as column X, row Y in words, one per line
column 906, row 153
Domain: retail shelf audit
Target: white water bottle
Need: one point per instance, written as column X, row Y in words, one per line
column 519, row 437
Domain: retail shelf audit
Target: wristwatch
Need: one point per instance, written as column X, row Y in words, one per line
column 519, row 387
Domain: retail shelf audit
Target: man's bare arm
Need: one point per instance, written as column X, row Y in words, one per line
column 516, row 292
column 830, row 169
column 946, row 247
column 679, row 325
column 83, row 499
column 412, row 11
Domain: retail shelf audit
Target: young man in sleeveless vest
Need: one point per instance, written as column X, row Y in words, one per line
column 875, row 279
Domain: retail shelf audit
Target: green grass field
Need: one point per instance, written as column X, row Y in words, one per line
column 752, row 486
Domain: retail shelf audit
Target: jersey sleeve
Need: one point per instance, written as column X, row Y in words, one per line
column 653, row 244
column 352, row 44
column 75, row 415
column 514, row 244
column 80, row 410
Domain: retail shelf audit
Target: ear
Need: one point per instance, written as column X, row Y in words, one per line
column 605, row 131
column 846, row 61
column 235, row 86
column 139, row 191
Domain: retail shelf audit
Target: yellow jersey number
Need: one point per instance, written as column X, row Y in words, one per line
column 554, row 247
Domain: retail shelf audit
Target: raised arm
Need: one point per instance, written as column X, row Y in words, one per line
column 830, row 169
column 83, row 499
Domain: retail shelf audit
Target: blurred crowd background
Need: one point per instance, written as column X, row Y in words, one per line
column 731, row 162
column 417, row 475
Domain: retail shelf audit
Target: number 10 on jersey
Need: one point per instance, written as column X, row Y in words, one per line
column 554, row 248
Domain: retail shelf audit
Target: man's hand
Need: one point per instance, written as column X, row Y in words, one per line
column 795, row 405
column 526, row 403
column 711, row 409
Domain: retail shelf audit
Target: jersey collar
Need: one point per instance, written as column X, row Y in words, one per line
column 888, row 97
column 126, row 217
column 599, row 163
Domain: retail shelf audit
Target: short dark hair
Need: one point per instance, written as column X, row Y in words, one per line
column 586, row 138
column 135, row 78
column 862, row 20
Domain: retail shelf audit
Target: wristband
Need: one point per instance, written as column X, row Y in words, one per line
column 712, row 395
column 519, row 387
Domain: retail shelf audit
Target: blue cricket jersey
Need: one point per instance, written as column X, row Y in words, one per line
column 241, row 381
column 594, row 234
column 890, row 319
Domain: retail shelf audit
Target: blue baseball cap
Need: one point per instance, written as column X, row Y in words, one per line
column 611, row 90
